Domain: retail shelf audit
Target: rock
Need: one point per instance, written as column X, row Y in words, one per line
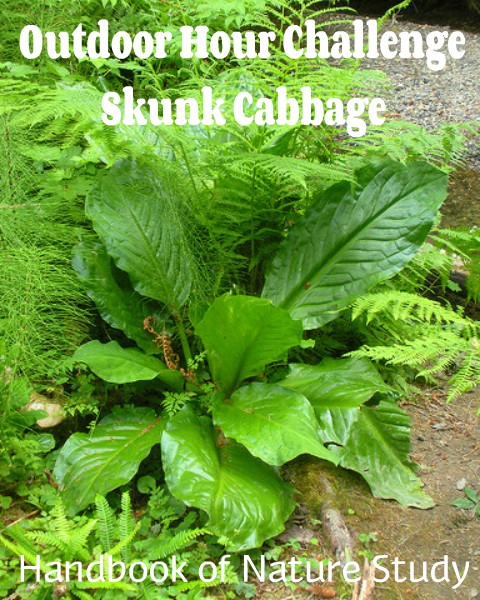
column 474, row 593
column 461, row 484
column 53, row 409
column 298, row 533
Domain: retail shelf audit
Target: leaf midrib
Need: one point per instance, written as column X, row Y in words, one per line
column 291, row 299
column 146, row 428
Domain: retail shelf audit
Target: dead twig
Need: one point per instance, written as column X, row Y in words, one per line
column 334, row 525
column 32, row 514
column 363, row 589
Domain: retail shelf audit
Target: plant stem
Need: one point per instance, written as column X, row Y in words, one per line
column 187, row 353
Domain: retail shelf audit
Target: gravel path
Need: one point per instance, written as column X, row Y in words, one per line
column 434, row 98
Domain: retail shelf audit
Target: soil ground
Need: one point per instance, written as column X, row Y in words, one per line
column 462, row 208
column 446, row 446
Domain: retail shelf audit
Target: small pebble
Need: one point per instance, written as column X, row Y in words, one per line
column 474, row 593
column 461, row 484
column 434, row 98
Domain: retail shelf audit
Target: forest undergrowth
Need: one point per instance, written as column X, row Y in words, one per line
column 186, row 309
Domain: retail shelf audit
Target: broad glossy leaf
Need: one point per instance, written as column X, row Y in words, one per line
column 274, row 423
column 134, row 214
column 242, row 334
column 108, row 457
column 343, row 383
column 376, row 445
column 336, row 424
column 246, row 500
column 117, row 302
column 115, row 364
column 352, row 238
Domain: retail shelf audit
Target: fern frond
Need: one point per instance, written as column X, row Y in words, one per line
column 125, row 543
column 106, row 520
column 47, row 540
column 62, row 525
column 125, row 525
column 468, row 375
column 82, row 595
column 105, row 585
column 424, row 336
column 441, row 346
column 407, row 307
column 173, row 545
column 150, row 591
column 79, row 537
column 21, row 550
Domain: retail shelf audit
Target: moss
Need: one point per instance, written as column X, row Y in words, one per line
column 348, row 490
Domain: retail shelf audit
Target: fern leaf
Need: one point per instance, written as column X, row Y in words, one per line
column 19, row 551
column 105, row 518
column 467, row 376
column 126, row 542
column 178, row 542
column 126, row 525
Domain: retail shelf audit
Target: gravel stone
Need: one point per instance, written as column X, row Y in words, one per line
column 434, row 98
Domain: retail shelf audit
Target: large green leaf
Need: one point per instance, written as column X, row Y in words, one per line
column 115, row 364
column 343, row 383
column 350, row 239
column 108, row 457
column 118, row 304
column 376, row 444
column 136, row 216
column 246, row 500
column 274, row 423
column 242, row 334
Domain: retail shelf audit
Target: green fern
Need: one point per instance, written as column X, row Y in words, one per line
column 173, row 545
column 405, row 329
column 125, row 525
column 465, row 245
column 105, row 518
column 85, row 539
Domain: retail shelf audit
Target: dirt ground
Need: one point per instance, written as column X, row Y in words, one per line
column 446, row 446
column 462, row 208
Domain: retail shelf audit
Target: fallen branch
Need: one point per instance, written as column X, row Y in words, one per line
column 334, row 525
column 363, row 589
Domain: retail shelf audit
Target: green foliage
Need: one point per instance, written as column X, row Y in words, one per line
column 318, row 271
column 263, row 424
column 471, row 502
column 463, row 244
column 22, row 453
column 374, row 441
column 108, row 457
column 192, row 225
column 287, row 416
column 136, row 216
column 246, row 500
column 255, row 333
column 108, row 533
column 405, row 329
column 115, row 364
column 116, row 301
column 41, row 314
column 343, row 384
